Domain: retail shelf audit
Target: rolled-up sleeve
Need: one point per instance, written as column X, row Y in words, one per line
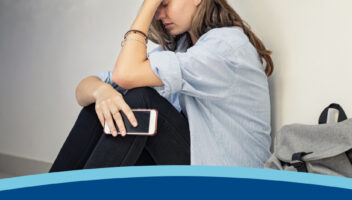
column 106, row 76
column 165, row 65
column 204, row 71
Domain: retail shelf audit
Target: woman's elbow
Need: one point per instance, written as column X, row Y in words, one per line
column 122, row 80
column 79, row 93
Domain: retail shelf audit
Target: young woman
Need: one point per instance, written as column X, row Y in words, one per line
column 207, row 79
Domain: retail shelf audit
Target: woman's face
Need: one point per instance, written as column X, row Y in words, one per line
column 177, row 15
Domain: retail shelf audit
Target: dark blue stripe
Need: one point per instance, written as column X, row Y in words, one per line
column 178, row 188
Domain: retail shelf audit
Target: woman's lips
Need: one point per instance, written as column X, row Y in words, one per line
column 168, row 25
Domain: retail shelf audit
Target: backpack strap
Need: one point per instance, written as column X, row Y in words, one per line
column 298, row 163
column 324, row 115
column 349, row 155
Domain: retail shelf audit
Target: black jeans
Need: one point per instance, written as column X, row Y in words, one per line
column 88, row 147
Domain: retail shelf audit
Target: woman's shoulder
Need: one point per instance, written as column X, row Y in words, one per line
column 233, row 35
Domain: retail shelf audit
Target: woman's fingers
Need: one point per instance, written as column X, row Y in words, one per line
column 108, row 118
column 120, row 124
column 114, row 109
column 129, row 114
column 108, row 112
column 100, row 115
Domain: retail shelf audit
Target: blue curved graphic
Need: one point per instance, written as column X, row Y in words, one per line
column 173, row 181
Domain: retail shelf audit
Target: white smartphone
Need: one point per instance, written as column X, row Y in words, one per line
column 147, row 123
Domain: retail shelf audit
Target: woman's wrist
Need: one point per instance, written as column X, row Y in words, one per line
column 101, row 89
column 153, row 2
column 145, row 15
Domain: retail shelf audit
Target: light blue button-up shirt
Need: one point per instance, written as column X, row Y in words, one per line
column 220, row 85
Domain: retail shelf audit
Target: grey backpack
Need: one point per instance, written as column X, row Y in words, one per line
column 322, row 149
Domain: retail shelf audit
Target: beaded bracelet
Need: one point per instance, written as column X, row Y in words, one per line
column 137, row 31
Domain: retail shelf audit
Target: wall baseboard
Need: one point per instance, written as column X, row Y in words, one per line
column 19, row 166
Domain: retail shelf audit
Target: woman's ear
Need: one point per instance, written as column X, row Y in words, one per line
column 197, row 2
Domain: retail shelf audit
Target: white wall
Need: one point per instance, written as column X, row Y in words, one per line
column 312, row 44
column 47, row 47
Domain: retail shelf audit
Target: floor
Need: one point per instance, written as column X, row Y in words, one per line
column 5, row 175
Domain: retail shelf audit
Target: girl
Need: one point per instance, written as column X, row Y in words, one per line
column 206, row 78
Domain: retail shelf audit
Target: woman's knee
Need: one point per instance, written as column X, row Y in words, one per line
column 142, row 91
column 142, row 96
column 88, row 112
column 89, row 109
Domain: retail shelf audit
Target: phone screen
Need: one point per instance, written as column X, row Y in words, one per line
column 143, row 119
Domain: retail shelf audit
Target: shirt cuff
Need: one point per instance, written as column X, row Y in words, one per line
column 165, row 65
column 106, row 76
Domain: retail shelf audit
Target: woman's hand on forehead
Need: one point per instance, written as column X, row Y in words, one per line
column 158, row 1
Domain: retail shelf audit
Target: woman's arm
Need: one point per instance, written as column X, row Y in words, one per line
column 132, row 67
column 88, row 89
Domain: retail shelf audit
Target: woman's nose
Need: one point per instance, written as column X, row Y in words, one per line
column 160, row 14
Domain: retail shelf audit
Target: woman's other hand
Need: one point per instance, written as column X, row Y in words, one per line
column 107, row 106
column 154, row 1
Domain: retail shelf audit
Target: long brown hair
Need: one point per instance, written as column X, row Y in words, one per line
column 210, row 14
